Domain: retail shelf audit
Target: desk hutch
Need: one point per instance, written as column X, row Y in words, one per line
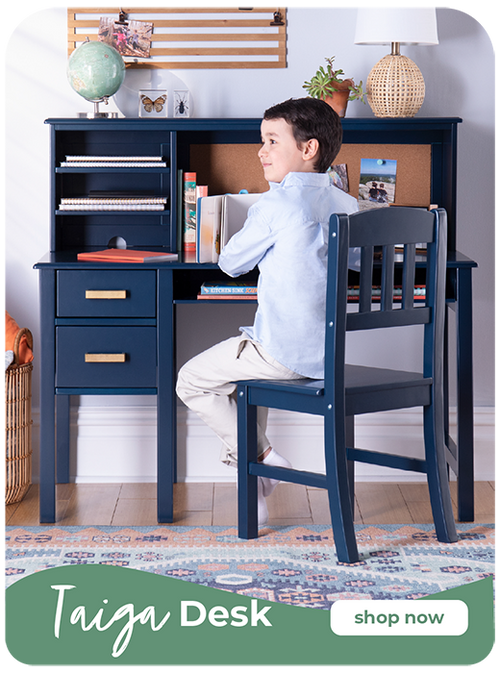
column 123, row 315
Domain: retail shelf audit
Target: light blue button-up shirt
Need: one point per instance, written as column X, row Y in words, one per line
column 286, row 235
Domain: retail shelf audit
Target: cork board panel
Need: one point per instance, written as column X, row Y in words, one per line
column 227, row 168
column 413, row 172
column 230, row 168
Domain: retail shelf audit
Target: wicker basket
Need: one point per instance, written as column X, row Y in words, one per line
column 18, row 424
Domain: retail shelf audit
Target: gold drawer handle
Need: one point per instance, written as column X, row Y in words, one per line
column 104, row 357
column 105, row 294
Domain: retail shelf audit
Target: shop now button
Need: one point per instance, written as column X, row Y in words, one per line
column 399, row 618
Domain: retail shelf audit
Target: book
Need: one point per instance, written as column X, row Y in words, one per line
column 179, row 208
column 96, row 200
column 73, row 158
column 117, row 161
column 113, row 164
column 208, row 217
column 234, row 214
column 113, row 203
column 201, row 191
column 108, row 206
column 192, row 195
column 189, row 210
column 235, row 297
column 218, row 218
column 231, row 287
column 126, row 256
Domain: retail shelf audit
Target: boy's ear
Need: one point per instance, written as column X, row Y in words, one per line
column 310, row 149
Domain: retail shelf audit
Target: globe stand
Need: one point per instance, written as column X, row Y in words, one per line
column 96, row 114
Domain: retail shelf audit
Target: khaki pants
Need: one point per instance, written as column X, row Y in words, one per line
column 206, row 385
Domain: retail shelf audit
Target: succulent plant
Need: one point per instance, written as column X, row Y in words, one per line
column 323, row 83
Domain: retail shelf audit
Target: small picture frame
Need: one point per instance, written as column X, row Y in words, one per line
column 377, row 183
column 153, row 103
column 182, row 103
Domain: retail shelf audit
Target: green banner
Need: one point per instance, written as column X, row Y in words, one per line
column 96, row 614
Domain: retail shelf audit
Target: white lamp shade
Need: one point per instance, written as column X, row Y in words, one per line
column 406, row 26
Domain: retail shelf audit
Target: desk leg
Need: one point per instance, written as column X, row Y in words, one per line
column 465, row 404
column 166, row 400
column 47, row 397
column 62, row 438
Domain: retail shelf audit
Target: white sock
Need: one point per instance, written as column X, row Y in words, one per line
column 272, row 458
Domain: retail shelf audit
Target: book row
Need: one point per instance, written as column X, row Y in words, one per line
column 241, row 290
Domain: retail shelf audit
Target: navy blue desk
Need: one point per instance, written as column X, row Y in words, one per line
column 56, row 391
column 76, row 330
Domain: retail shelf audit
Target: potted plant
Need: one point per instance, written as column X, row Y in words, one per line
column 330, row 86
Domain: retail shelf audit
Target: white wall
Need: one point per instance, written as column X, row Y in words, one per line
column 36, row 88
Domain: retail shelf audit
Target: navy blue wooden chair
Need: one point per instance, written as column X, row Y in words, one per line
column 349, row 390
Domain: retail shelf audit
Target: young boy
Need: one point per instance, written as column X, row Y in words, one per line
column 286, row 235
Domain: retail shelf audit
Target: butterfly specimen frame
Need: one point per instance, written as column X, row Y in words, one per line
column 153, row 103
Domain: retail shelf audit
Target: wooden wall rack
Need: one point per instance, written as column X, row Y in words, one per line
column 207, row 37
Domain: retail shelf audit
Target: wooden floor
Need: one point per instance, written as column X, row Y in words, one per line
column 210, row 504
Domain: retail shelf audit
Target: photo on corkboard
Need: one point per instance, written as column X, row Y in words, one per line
column 377, row 183
column 338, row 176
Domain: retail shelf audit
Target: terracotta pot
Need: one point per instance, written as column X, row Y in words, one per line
column 338, row 100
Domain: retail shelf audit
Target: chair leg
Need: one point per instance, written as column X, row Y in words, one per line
column 350, row 441
column 339, row 493
column 247, row 453
column 437, row 474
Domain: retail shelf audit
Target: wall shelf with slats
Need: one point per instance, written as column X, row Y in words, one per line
column 186, row 37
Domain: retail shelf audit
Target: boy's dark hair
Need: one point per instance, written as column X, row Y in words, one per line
column 312, row 118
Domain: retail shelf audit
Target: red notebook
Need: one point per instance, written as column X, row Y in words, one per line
column 126, row 256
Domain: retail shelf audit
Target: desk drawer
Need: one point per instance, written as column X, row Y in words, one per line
column 95, row 293
column 105, row 357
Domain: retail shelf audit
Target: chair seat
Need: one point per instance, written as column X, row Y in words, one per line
column 367, row 389
column 313, row 387
column 359, row 379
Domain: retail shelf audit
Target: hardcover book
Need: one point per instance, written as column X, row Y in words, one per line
column 126, row 256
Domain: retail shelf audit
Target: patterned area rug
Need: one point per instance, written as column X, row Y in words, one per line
column 291, row 564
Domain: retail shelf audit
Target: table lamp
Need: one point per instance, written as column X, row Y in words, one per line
column 395, row 86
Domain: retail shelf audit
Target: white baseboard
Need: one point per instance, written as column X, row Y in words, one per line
column 118, row 443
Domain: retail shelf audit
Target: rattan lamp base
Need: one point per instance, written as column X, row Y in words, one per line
column 395, row 87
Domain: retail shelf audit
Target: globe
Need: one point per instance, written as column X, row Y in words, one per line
column 95, row 71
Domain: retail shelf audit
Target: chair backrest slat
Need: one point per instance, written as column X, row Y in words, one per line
column 387, row 288
column 408, row 290
column 366, row 279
